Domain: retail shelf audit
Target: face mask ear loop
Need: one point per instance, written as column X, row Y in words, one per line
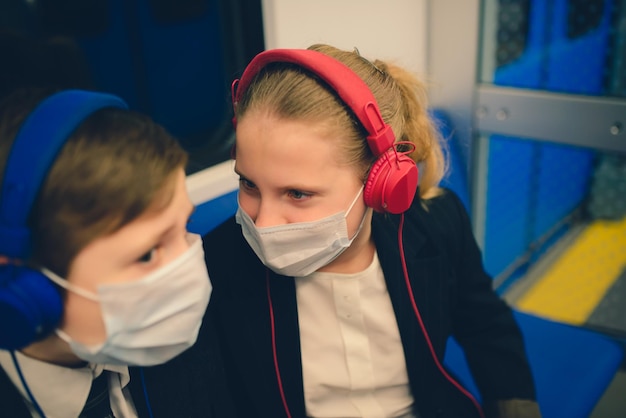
column 26, row 388
column 69, row 286
column 355, row 200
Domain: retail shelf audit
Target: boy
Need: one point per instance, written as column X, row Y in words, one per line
column 97, row 269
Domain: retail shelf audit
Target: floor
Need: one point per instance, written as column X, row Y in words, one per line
column 613, row 403
column 581, row 280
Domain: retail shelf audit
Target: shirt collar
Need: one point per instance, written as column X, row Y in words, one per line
column 59, row 391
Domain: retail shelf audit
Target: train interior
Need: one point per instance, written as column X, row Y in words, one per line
column 540, row 162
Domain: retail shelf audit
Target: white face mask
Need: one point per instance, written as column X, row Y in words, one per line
column 299, row 249
column 151, row 320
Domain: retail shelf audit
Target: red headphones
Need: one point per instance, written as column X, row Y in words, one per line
column 392, row 181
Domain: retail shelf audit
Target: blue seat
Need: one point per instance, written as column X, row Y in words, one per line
column 213, row 212
column 572, row 366
column 456, row 177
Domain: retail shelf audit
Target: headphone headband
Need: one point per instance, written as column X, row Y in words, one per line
column 349, row 86
column 392, row 179
column 35, row 148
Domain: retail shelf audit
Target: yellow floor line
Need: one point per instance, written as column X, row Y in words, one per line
column 573, row 286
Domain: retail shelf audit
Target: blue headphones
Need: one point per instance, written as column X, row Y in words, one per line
column 30, row 305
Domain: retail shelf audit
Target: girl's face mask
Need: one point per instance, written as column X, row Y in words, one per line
column 151, row 320
column 299, row 249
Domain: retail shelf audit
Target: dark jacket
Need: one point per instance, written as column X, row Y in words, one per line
column 189, row 386
column 452, row 291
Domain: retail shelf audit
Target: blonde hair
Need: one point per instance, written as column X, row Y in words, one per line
column 291, row 92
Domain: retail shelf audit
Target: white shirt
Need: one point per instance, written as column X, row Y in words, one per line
column 61, row 392
column 352, row 356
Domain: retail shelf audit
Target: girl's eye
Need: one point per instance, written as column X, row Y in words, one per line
column 147, row 257
column 298, row 195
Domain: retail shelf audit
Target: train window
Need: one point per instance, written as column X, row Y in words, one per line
column 583, row 16
column 171, row 59
column 570, row 46
column 551, row 157
column 512, row 30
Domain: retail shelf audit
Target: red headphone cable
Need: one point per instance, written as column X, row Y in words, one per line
column 423, row 327
column 277, row 369
column 415, row 310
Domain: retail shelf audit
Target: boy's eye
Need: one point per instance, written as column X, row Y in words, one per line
column 247, row 184
column 147, row 257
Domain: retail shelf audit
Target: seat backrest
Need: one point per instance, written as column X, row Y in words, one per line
column 572, row 366
column 457, row 176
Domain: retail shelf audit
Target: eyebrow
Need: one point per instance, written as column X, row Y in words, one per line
column 303, row 188
column 156, row 238
column 243, row 176
column 238, row 172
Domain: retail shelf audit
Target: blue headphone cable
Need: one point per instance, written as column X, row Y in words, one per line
column 28, row 392
column 38, row 408
column 145, row 392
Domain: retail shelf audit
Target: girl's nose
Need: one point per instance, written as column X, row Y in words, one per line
column 267, row 214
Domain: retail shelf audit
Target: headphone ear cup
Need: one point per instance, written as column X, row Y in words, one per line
column 392, row 183
column 30, row 306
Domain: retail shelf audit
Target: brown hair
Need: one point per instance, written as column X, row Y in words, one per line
column 291, row 92
column 116, row 165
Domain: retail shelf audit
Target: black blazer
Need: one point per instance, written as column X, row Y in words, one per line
column 188, row 386
column 451, row 289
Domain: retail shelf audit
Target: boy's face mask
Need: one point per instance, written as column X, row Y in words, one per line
column 151, row 320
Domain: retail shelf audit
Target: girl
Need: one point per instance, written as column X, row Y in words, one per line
column 339, row 280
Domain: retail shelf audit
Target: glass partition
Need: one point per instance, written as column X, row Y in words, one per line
column 549, row 165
